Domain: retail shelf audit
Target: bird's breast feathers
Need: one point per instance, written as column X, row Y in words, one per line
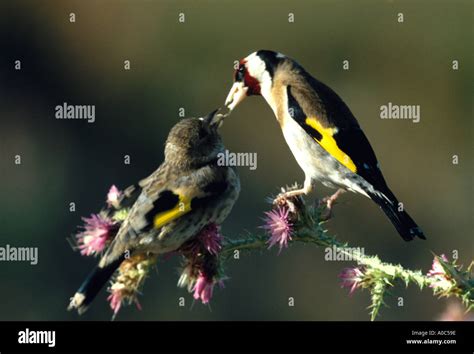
column 302, row 132
column 312, row 158
column 325, row 152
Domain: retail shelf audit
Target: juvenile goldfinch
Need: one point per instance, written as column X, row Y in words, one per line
column 321, row 132
column 185, row 194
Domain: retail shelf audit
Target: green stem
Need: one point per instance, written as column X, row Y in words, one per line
column 378, row 275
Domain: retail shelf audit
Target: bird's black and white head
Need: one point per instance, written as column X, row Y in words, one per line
column 194, row 142
column 254, row 76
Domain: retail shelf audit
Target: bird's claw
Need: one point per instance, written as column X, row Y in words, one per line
column 282, row 200
column 328, row 203
column 326, row 214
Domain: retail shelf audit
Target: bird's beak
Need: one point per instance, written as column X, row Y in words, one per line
column 213, row 119
column 236, row 95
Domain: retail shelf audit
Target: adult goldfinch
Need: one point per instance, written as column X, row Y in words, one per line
column 321, row 132
column 185, row 194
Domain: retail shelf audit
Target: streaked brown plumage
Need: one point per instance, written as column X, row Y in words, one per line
column 186, row 193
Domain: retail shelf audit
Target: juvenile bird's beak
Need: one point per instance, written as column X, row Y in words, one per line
column 236, row 95
column 213, row 119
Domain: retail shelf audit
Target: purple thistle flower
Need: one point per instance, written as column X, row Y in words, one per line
column 118, row 294
column 351, row 278
column 200, row 272
column 436, row 267
column 438, row 274
column 113, row 197
column 126, row 283
column 98, row 231
column 204, row 288
column 115, row 298
column 279, row 227
column 211, row 239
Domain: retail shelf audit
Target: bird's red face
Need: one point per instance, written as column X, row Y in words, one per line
column 253, row 76
column 244, row 85
column 242, row 75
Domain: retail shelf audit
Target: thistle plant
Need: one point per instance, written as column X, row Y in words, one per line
column 204, row 257
column 126, row 284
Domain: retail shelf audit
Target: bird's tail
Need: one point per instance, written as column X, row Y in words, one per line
column 405, row 225
column 92, row 285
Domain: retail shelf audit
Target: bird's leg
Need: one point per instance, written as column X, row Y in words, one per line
column 330, row 201
column 284, row 197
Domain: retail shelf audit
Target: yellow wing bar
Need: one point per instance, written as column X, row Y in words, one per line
column 181, row 208
column 329, row 143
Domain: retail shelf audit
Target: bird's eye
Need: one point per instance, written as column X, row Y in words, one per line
column 240, row 73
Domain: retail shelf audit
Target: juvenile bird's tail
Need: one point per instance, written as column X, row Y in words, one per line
column 92, row 285
column 405, row 225
column 101, row 274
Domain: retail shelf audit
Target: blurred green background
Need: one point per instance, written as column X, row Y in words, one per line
column 190, row 65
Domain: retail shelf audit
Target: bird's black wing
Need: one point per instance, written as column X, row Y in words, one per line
column 328, row 120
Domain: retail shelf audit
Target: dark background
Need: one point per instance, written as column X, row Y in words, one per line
column 189, row 65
